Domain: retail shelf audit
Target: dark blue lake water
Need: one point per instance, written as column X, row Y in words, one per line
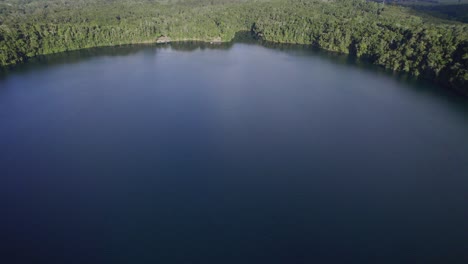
column 228, row 154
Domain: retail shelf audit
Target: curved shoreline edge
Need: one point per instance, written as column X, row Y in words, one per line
column 254, row 38
column 391, row 36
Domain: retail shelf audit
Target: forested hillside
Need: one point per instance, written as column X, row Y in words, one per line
column 395, row 37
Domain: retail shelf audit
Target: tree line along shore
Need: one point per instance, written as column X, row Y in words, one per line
column 395, row 37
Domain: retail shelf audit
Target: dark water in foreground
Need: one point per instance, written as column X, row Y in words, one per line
column 238, row 154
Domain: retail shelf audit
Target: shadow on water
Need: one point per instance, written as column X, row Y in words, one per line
column 78, row 56
column 418, row 85
column 70, row 57
column 408, row 81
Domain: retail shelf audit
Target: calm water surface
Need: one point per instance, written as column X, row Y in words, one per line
column 228, row 154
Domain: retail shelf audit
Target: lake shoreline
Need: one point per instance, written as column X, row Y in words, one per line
column 253, row 37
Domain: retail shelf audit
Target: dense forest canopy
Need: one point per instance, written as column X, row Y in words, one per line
column 398, row 38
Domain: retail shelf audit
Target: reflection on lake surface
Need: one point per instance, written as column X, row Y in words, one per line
column 232, row 153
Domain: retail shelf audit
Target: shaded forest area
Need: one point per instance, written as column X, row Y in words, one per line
column 395, row 37
column 450, row 12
